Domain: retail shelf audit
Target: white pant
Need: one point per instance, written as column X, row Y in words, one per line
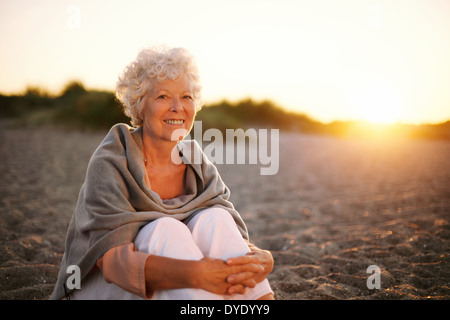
column 211, row 233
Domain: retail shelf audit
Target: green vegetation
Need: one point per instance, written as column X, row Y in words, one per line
column 77, row 107
column 250, row 114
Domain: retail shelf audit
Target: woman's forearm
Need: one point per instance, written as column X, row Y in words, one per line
column 209, row 274
column 162, row 273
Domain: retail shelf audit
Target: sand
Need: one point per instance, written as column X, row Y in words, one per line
column 335, row 208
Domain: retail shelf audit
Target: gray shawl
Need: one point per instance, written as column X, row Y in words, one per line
column 115, row 202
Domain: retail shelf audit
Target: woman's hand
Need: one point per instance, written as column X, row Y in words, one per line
column 256, row 256
column 214, row 274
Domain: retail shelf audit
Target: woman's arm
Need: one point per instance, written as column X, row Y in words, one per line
column 162, row 273
column 142, row 274
column 125, row 266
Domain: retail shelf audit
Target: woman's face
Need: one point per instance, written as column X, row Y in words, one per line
column 168, row 107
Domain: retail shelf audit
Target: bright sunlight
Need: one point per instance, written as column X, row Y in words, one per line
column 377, row 103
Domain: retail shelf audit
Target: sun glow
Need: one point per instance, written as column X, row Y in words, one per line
column 377, row 103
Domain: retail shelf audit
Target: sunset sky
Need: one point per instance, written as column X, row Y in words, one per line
column 378, row 60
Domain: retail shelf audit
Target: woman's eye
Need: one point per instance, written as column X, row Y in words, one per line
column 163, row 96
column 187, row 97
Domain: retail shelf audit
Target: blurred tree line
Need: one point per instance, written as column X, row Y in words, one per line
column 77, row 107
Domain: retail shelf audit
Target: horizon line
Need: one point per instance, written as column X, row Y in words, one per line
column 44, row 92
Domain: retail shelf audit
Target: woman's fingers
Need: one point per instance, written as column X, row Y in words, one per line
column 242, row 260
column 245, row 278
column 239, row 288
column 232, row 277
column 214, row 276
column 261, row 257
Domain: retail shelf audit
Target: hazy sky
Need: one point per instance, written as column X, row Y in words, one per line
column 381, row 60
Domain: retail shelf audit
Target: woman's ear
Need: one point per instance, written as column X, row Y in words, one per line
column 142, row 102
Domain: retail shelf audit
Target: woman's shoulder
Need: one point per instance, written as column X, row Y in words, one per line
column 123, row 128
column 122, row 133
column 120, row 138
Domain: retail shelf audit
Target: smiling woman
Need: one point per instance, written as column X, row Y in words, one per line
column 150, row 226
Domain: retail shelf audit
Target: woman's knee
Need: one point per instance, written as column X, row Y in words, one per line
column 212, row 217
column 216, row 234
column 167, row 225
column 167, row 237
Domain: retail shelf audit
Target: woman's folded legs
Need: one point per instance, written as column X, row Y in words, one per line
column 210, row 233
column 217, row 236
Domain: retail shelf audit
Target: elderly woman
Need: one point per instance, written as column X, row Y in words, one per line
column 151, row 223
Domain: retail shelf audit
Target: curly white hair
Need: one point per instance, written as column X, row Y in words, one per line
column 155, row 64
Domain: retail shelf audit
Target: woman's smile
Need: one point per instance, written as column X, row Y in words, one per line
column 174, row 122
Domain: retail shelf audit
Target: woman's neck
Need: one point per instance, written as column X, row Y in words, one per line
column 159, row 154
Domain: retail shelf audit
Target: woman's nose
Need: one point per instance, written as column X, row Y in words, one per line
column 176, row 105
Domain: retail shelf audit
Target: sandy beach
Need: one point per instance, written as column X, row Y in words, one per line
column 336, row 207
